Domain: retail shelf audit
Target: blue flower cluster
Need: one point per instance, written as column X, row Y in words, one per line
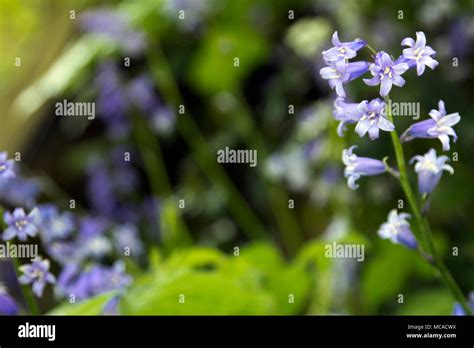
column 372, row 116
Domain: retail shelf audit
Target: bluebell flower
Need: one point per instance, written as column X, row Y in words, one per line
column 373, row 119
column 93, row 281
column 20, row 225
column 439, row 126
column 430, row 169
column 346, row 113
column 459, row 310
column 54, row 225
column 418, row 53
column 342, row 50
column 37, row 273
column 6, row 166
column 386, row 73
column 19, row 191
column 112, row 25
column 126, row 236
column 397, row 229
column 340, row 72
column 360, row 166
column 8, row 305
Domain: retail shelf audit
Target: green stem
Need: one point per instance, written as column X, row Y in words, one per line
column 424, row 228
column 25, row 289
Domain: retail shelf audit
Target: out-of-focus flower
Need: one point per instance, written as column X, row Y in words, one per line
column 458, row 310
column 346, row 113
column 6, row 166
column 372, row 119
column 397, row 229
column 430, row 169
column 439, row 126
column 112, row 25
column 54, row 225
column 20, row 225
column 342, row 50
column 111, row 307
column 386, row 73
column 19, row 192
column 112, row 100
column 8, row 305
column 100, row 191
column 37, row 273
column 418, row 53
column 93, row 281
column 340, row 72
column 126, row 238
column 360, row 166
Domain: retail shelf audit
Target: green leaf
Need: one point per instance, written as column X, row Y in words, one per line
column 429, row 302
column 92, row 306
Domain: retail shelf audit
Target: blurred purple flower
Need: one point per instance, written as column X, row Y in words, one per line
column 360, row 166
column 372, row 119
column 342, row 50
column 418, row 53
column 112, row 101
column 397, row 229
column 346, row 113
column 439, row 126
column 341, row 72
column 100, row 192
column 386, row 73
column 112, row 25
column 37, row 273
column 20, row 225
column 8, row 305
column 53, row 225
column 19, row 192
column 126, row 238
column 6, row 166
column 96, row 280
column 430, row 169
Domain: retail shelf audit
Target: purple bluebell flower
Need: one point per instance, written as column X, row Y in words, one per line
column 360, row 166
column 418, row 53
column 112, row 25
column 430, row 169
column 439, row 126
column 6, row 166
column 20, row 225
column 386, row 73
column 340, row 72
column 37, row 273
column 54, row 225
column 8, row 305
column 397, row 229
column 112, row 100
column 93, row 281
column 19, row 192
column 100, row 190
column 342, row 50
column 346, row 113
column 459, row 310
column 373, row 119
column 111, row 307
column 126, row 236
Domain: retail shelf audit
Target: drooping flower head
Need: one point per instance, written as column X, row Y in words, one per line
column 340, row 72
column 20, row 225
column 439, row 126
column 386, row 73
column 53, row 224
column 346, row 113
column 418, row 53
column 6, row 166
column 373, row 119
column 37, row 273
column 342, row 50
column 397, row 229
column 8, row 305
column 430, row 169
column 360, row 166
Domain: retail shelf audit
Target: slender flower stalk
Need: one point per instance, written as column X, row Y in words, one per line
column 423, row 225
